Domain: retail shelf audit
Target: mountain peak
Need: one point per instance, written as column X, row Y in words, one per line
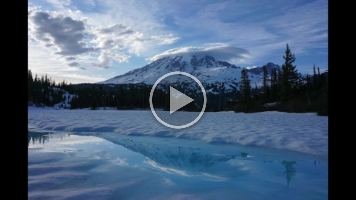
column 206, row 68
column 259, row 70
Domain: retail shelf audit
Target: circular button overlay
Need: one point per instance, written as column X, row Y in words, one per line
column 177, row 101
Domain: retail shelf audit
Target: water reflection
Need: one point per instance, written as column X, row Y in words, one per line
column 164, row 152
column 176, row 156
column 290, row 170
column 37, row 137
column 170, row 164
column 41, row 137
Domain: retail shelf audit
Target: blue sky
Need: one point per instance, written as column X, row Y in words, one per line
column 87, row 41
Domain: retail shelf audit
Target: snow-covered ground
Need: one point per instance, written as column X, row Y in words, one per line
column 115, row 154
column 305, row 132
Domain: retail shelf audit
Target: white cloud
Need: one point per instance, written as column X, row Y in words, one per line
column 219, row 51
column 76, row 78
column 60, row 4
column 116, row 43
column 165, row 39
column 303, row 25
column 104, row 60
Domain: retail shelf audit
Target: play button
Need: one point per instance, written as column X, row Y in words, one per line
column 178, row 100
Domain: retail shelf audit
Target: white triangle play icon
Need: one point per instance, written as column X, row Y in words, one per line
column 177, row 100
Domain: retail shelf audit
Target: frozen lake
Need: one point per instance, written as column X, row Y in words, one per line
column 83, row 154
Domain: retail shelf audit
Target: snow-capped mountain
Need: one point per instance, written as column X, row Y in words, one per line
column 207, row 69
column 259, row 70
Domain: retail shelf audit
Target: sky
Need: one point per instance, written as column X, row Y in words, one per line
column 88, row 41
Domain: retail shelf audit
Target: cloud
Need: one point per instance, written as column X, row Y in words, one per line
column 74, row 64
column 60, row 4
column 165, row 39
column 116, row 29
column 304, row 25
column 73, row 35
column 65, row 33
column 76, row 78
column 104, row 61
column 70, row 58
column 117, row 42
column 219, row 51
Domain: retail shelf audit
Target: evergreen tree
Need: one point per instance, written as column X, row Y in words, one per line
column 315, row 78
column 245, row 87
column 289, row 75
column 215, row 107
column 274, row 84
column 279, row 83
column 94, row 99
column 319, row 78
column 29, row 85
column 221, row 91
column 255, row 92
column 265, row 84
column 265, row 73
column 326, row 94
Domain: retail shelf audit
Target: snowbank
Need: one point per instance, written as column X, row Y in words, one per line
column 302, row 132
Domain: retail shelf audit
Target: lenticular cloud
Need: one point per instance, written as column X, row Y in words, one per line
column 218, row 50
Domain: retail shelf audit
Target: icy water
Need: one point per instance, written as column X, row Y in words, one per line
column 108, row 165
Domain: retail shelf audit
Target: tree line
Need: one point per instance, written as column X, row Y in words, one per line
column 46, row 92
column 285, row 90
column 121, row 96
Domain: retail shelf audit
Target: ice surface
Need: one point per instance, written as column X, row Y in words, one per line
column 302, row 132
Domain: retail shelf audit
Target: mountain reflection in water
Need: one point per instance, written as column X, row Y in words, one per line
column 193, row 157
